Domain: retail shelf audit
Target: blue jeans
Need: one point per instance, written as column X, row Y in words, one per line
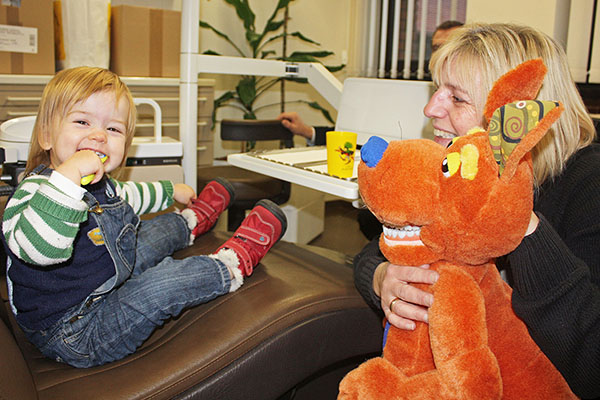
column 110, row 326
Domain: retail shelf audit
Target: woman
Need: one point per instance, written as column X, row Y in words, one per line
column 555, row 271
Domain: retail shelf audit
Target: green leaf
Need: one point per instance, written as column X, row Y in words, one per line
column 260, row 90
column 242, row 8
column 272, row 38
column 246, row 90
column 335, row 68
column 304, row 38
column 317, row 54
column 224, row 98
column 270, row 26
column 299, row 58
column 273, row 26
column 206, row 25
column 211, row 53
column 316, row 106
column 264, row 54
column 253, row 39
column 283, row 4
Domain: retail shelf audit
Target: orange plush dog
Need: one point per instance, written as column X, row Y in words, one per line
column 465, row 205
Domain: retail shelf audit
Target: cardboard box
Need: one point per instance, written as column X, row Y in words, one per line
column 305, row 213
column 145, row 41
column 31, row 14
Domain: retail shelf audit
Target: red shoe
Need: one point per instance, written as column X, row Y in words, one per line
column 260, row 230
column 216, row 196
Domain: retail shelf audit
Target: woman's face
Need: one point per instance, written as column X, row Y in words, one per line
column 452, row 111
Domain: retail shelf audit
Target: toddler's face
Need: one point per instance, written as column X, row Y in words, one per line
column 98, row 124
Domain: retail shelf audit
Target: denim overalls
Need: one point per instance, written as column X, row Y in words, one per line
column 148, row 287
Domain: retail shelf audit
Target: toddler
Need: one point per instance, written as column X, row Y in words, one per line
column 88, row 281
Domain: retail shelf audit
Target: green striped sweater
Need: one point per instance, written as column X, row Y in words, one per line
column 41, row 220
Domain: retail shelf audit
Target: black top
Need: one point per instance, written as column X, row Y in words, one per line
column 555, row 273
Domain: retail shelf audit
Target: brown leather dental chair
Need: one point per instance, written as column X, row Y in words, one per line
column 294, row 328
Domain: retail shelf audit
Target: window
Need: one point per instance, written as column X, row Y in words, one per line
column 401, row 30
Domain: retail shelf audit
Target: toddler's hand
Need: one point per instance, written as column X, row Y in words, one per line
column 183, row 193
column 80, row 164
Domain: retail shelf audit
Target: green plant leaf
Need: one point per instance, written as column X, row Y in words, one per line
column 267, row 53
column 224, row 97
column 250, row 88
column 246, row 90
column 242, row 8
column 299, row 58
column 263, row 88
column 316, row 54
column 253, row 40
column 335, row 68
column 272, row 26
column 206, row 25
column 317, row 106
column 211, row 53
column 304, row 38
column 283, row 3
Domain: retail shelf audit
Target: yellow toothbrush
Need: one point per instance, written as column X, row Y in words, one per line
column 88, row 178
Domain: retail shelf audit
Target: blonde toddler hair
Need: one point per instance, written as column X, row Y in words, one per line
column 65, row 89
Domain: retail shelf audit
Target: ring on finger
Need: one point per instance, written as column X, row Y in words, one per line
column 392, row 303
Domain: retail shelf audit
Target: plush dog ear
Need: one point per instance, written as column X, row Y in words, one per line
column 530, row 138
column 517, row 122
column 521, row 83
column 516, row 128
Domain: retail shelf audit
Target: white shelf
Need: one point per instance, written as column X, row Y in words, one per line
column 299, row 166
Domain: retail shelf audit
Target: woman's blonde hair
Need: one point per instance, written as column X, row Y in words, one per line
column 67, row 88
column 476, row 55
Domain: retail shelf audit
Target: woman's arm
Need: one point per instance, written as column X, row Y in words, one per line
column 555, row 296
column 556, row 275
column 365, row 264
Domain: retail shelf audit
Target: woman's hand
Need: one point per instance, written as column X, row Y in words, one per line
column 392, row 283
column 293, row 122
column 183, row 193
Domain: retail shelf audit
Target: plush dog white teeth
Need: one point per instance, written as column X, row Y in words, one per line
column 403, row 232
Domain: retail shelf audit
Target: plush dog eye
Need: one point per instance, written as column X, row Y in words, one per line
column 445, row 168
column 450, row 164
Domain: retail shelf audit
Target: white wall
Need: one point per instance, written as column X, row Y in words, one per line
column 568, row 21
column 547, row 15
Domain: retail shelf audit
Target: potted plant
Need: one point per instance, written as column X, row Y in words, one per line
column 259, row 44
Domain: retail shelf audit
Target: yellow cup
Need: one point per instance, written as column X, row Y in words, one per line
column 341, row 147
